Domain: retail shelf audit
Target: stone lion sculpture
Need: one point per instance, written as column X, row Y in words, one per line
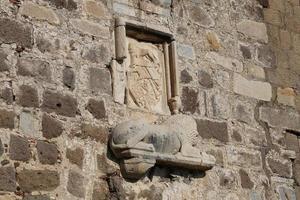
column 141, row 145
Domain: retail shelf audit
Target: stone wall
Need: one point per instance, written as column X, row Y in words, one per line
column 239, row 66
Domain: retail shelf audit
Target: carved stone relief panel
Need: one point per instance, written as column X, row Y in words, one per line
column 144, row 69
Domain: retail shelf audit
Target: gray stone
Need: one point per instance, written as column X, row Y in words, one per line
column 186, row 51
column 296, row 172
column 245, row 180
column 19, row 149
column 185, row 76
column 236, row 136
column 266, row 56
column 90, row 28
column 37, row 197
column 282, row 169
column 29, row 124
column 43, row 45
column 153, row 193
column 211, row 129
column 1, row 148
column 97, row 108
column 98, row 54
column 286, row 193
column 59, row 103
column 75, row 156
column 123, row 9
column 280, row 118
column 205, row 79
column 7, row 95
column 246, row 52
column 36, row 180
column 28, row 96
column 12, row 31
column 69, row 78
column 47, row 152
column 291, row 142
column 51, row 127
column 189, row 99
column 100, row 81
column 7, row 179
column 3, row 62
column 67, row 4
column 226, row 62
column 76, row 184
column 254, row 30
column 7, row 119
column 34, row 68
column 201, row 17
column 100, row 191
column 255, row 196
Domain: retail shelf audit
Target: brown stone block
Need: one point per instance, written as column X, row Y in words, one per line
column 245, row 179
column 28, row 97
column 282, row 169
column 59, row 103
column 36, row 197
column 97, row 108
column 273, row 17
column 100, row 191
column 76, row 156
column 68, row 4
column 3, row 64
column 51, row 127
column 7, row 179
column 100, row 81
column 76, row 184
column 69, row 78
column 189, row 98
column 100, row 134
column 7, row 95
column 211, row 129
column 36, row 180
column 19, row 148
column 34, row 68
column 7, row 119
column 47, row 152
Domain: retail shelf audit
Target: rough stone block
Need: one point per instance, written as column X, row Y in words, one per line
column 60, row 104
column 7, row 95
column 218, row 154
column 95, row 9
column 7, row 119
column 51, row 127
column 123, row 9
column 189, row 99
column 1, row 148
column 205, row 79
column 280, row 168
column 67, row 4
column 7, row 179
column 69, row 78
column 90, row 28
column 280, row 118
column 97, row 108
column 266, row 56
column 39, row 12
column 286, row 96
column 100, row 191
column 254, row 30
column 246, row 52
column 29, row 124
column 226, row 62
column 100, row 134
column 47, row 152
column 186, row 51
column 3, row 62
column 103, row 164
column 286, row 193
column 243, row 157
column 201, row 16
column 99, row 54
column 19, row 149
column 36, row 180
column 12, row 31
column 100, row 81
column 28, row 96
column 291, row 141
column 76, row 156
column 211, row 129
column 76, row 184
column 245, row 180
column 273, row 17
column 185, row 76
column 34, row 68
column 296, row 172
column 36, row 197
column 255, row 72
column 255, row 89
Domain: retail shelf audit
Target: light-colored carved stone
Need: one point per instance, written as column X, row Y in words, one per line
column 119, row 81
column 141, row 145
column 120, row 37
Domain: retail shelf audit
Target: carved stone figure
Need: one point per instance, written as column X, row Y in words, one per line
column 141, row 145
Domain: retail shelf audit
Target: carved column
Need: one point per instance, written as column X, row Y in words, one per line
column 120, row 40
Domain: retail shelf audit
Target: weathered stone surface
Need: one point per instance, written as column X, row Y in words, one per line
column 280, row 118
column 296, row 172
column 186, row 51
column 246, row 52
column 36, row 180
column 97, row 108
column 211, row 129
column 282, row 169
column 47, row 152
column 185, row 76
column 201, row 17
column 90, row 28
column 29, row 124
column 59, row 103
column 255, row 72
column 123, row 9
column 218, row 154
column 100, row 81
column 273, row 17
column 205, row 79
column 76, row 156
column 7, row 179
column 99, row 54
column 100, row 134
column 36, row 197
column 34, row 68
column 255, row 89
column 226, row 62
column 100, row 191
column 153, row 193
column 76, row 184
column 39, row 12
column 236, row 136
column 244, row 158
column 44, row 45
column 1, row 148
column 266, row 56
column 69, row 78
column 190, row 100
column 28, row 96
column 19, row 148
column 51, row 127
column 3, row 62
column 7, row 119
column 7, row 95
column 103, row 164
column 12, row 31
column 286, row 96
column 245, row 179
column 291, row 142
column 286, row 193
column 95, row 9
column 68, row 4
column 254, row 30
